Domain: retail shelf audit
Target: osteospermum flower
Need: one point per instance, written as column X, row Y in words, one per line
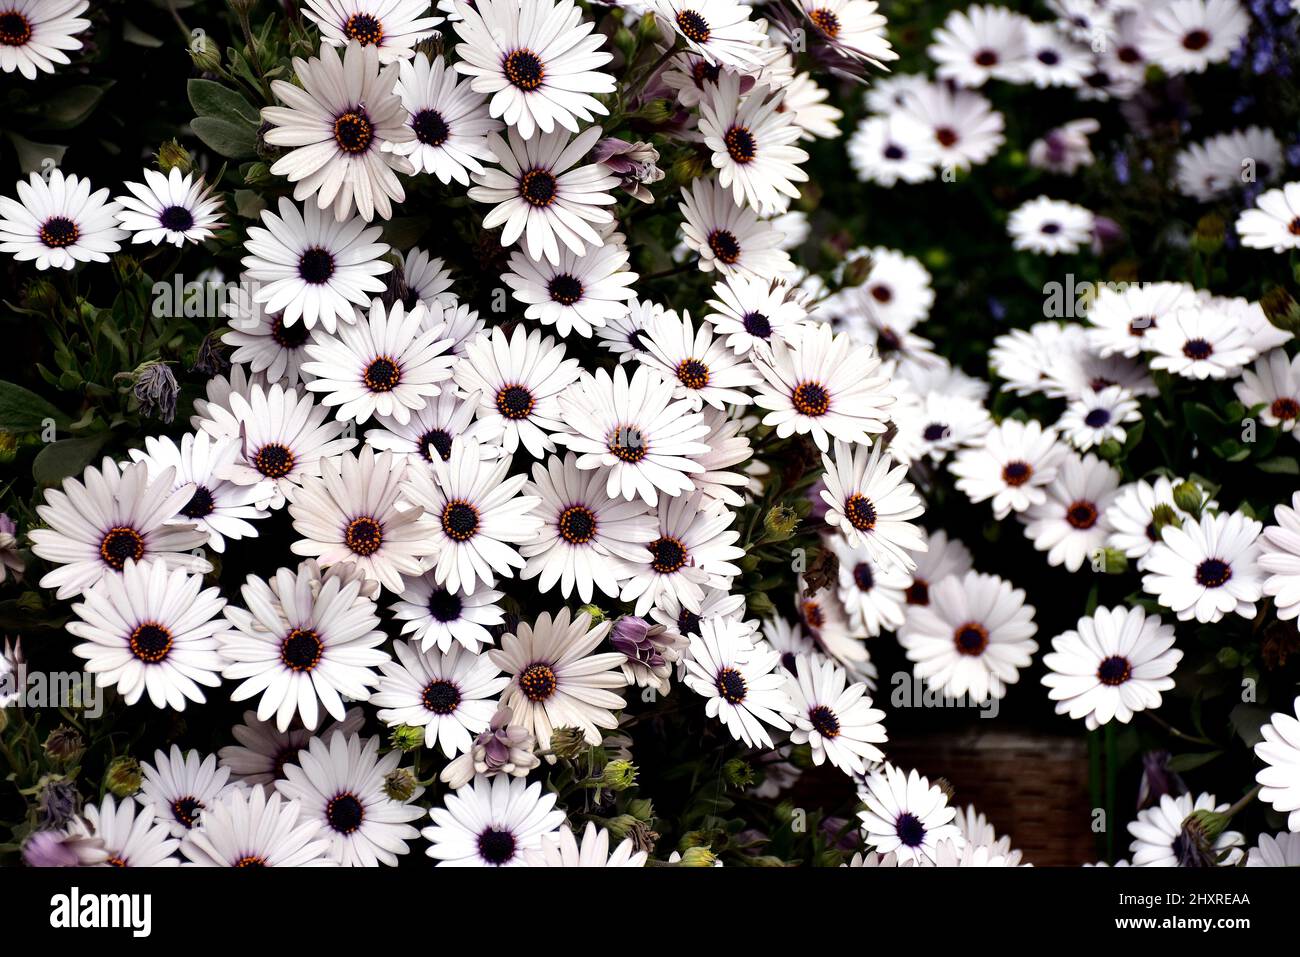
column 972, row 638
column 1168, row 835
column 538, row 63
column 1124, row 315
column 1013, row 467
column 1113, row 663
column 340, row 784
column 1280, row 751
column 1214, row 167
column 472, row 514
column 450, row 121
column 966, row 129
column 112, row 515
column 338, row 123
column 311, row 267
column 943, row 557
column 263, row 749
column 1050, row 226
column 132, row 835
column 720, row 31
column 1186, row 36
column 556, row 679
column 151, row 630
column 519, row 379
column 980, row 43
column 1071, row 524
column 906, row 815
column 834, row 717
column 451, row 696
column 392, row 27
column 700, row 366
column 180, row 786
column 729, row 238
column 303, row 641
column 387, row 364
column 751, row 312
column 541, row 195
column 1280, row 558
column 1275, row 850
column 262, row 340
column 1206, row 569
column 1273, row 223
column 579, row 293
column 872, row 592
column 823, row 384
column 440, row 618
column 495, row 822
column 1090, row 420
column 431, row 431
column 60, row 222
column 887, row 149
column 35, row 33
column 744, row 684
column 172, row 208
column 854, row 28
column 869, row 500
column 1274, row 383
column 1200, row 343
column 1138, row 513
column 251, row 827
column 562, row 849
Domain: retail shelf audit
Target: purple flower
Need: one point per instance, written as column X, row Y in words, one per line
column 633, row 163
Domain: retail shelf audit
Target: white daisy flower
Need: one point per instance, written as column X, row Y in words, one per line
column 894, row 295
column 854, row 28
column 1280, row 750
column 472, row 510
column 173, row 208
column 888, row 149
column 834, row 717
column 439, row 618
column 728, row 447
column 751, row 312
column 588, row 539
column 451, row 696
column 450, row 121
column 1273, row 223
column 387, row 364
column 943, row 557
column 1123, row 316
column 718, row 30
column 624, row 336
column 284, row 438
column 132, row 835
column 1167, row 835
column 35, row 33
column 538, row 61
column 556, row 678
column 937, row 424
column 1114, row 663
column 393, row 27
column 1138, row 512
column 263, row 749
column 519, row 379
column 1071, row 524
column 1050, row 226
column 349, row 514
column 216, row 506
column 751, row 141
column 1013, row 467
column 1274, row 383
column 304, row 641
column 1053, row 59
column 966, row 129
column 745, row 685
column 249, row 827
column 870, row 502
column 906, row 816
column 823, row 384
column 1216, row 166
column 1186, row 36
column 59, row 222
column 340, row 784
column 873, row 592
column 262, row 340
column 806, row 102
column 972, row 638
column 645, row 442
column 310, row 267
column 977, row 830
column 1090, row 420
column 826, row 621
column 980, row 43
column 700, row 366
column 540, row 195
column 495, row 822
column 1200, row 343
column 1276, row 850
column 151, row 630
column 1280, row 558
column 1206, row 569
column 112, row 515
column 729, row 238
column 562, row 849
column 1261, row 334
column 431, row 431
column 181, row 786
column 337, row 123
column 427, row 280
column 579, row 293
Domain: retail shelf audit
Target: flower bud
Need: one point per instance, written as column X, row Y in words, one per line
column 123, row 777
column 172, row 155
column 738, row 773
column 596, row 614
column 65, row 745
column 618, row 775
column 1187, row 496
column 697, row 857
column 568, row 743
column 406, row 738
column 780, row 522
column 1162, row 516
column 400, row 784
column 206, row 54
column 1208, row 237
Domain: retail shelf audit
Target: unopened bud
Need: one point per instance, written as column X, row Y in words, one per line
column 123, row 777
column 400, row 784
column 1208, row 237
column 172, row 155
column 738, row 773
column 697, row 857
column 1187, row 496
column 780, row 522
column 618, row 775
column 568, row 743
column 406, row 738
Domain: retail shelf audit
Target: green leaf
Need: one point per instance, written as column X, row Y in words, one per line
column 35, row 157
column 1282, row 465
column 230, row 139
column 1181, row 763
column 133, row 34
column 69, row 108
column 210, row 98
column 22, row 410
column 66, row 457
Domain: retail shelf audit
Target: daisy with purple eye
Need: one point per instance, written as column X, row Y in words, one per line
column 1050, row 226
column 112, row 515
column 179, row 786
column 35, row 33
column 538, row 63
column 1115, row 662
column 579, row 293
column 442, row 619
column 834, row 716
column 430, row 432
column 451, row 696
column 59, row 222
column 1138, row 514
column 893, row 148
column 1274, row 383
column 751, row 311
column 720, row 31
column 1072, row 524
column 729, row 238
column 519, row 379
column 1013, row 467
column 262, row 340
column 1090, row 420
column 1186, row 36
column 853, row 28
column 1207, row 569
column 337, row 125
column 965, row 128
column 906, row 815
column 870, row 502
column 1272, row 223
column 625, row 335
column 744, row 685
column 872, row 591
column 1169, row 835
column 393, row 27
column 542, row 197
column 700, row 366
column 1200, row 342
column 494, row 822
column 340, row 784
column 450, row 121
column 172, row 208
column 980, row 43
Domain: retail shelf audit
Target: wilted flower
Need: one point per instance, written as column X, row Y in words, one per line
column 65, row 744
column 57, row 802
column 633, row 163
column 52, row 848
column 155, row 388
column 504, row 748
column 10, row 560
column 651, row 651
